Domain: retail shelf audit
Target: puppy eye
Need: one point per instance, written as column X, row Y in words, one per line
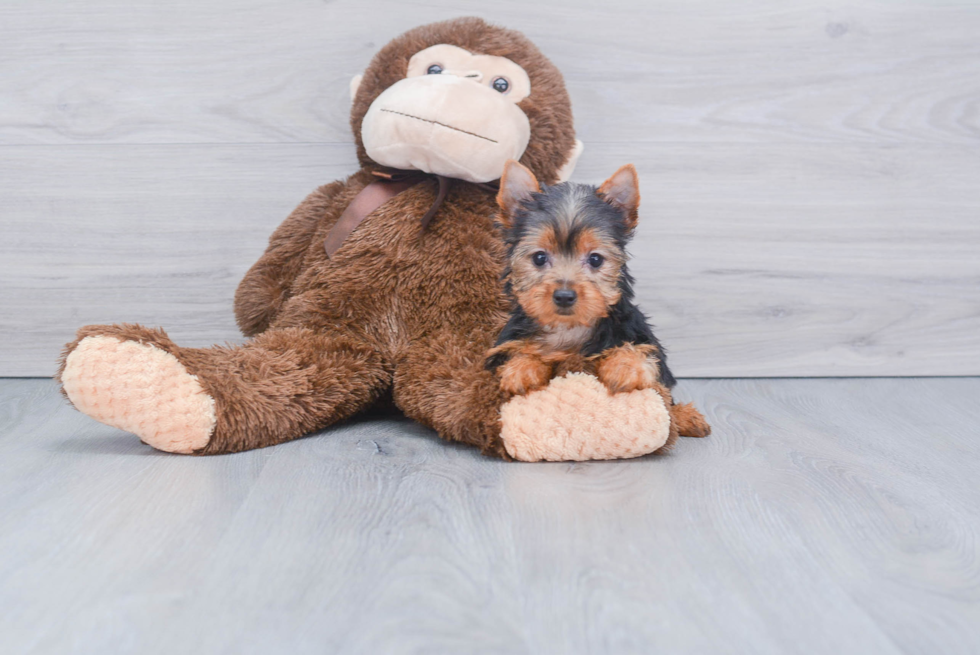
column 500, row 84
column 595, row 260
column 434, row 69
column 539, row 258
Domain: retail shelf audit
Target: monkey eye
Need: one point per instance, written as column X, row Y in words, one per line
column 434, row 69
column 595, row 260
column 540, row 258
column 500, row 84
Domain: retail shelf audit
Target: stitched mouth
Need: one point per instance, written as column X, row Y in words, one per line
column 426, row 120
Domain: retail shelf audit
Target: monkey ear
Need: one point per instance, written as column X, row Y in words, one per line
column 566, row 171
column 355, row 84
column 622, row 191
column 516, row 186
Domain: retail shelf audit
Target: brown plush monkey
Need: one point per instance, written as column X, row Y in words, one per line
column 353, row 298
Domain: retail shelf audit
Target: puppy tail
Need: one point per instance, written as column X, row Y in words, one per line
column 690, row 422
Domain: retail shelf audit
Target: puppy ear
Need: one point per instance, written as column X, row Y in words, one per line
column 622, row 191
column 516, row 186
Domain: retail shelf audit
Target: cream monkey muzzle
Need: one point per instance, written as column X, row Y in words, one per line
column 455, row 114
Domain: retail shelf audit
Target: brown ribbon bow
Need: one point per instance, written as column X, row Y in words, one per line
column 390, row 183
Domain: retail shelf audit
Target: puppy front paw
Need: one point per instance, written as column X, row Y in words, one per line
column 522, row 374
column 628, row 368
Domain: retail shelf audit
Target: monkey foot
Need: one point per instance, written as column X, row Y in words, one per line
column 141, row 389
column 576, row 418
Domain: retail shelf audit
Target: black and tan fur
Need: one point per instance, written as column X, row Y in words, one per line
column 572, row 293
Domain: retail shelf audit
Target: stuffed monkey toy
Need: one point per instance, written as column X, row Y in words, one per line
column 387, row 282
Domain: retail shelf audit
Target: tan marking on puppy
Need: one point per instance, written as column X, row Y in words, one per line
column 628, row 368
column 606, row 277
column 538, row 303
column 544, row 238
column 596, row 289
column 532, row 364
column 516, row 347
column 588, row 241
column 690, row 422
column 524, row 373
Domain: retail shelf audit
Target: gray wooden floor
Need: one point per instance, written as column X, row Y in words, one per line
column 824, row 516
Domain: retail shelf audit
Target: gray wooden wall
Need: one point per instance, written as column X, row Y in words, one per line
column 811, row 170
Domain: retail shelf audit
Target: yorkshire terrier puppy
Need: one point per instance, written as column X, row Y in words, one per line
column 572, row 293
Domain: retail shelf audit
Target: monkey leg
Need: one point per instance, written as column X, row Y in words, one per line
column 281, row 385
column 443, row 384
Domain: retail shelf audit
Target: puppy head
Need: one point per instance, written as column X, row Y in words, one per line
column 567, row 243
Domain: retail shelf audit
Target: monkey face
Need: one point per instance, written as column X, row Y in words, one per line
column 455, row 114
column 534, row 88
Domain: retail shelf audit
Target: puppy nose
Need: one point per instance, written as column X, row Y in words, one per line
column 565, row 297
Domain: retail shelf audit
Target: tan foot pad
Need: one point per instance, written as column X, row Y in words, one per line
column 140, row 389
column 576, row 418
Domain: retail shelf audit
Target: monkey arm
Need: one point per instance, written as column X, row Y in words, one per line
column 268, row 284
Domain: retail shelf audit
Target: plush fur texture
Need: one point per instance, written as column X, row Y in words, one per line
column 394, row 313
